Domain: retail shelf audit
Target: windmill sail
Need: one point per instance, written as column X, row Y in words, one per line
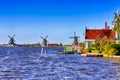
column 11, row 40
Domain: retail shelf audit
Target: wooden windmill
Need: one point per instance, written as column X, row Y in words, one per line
column 11, row 40
column 44, row 42
column 75, row 39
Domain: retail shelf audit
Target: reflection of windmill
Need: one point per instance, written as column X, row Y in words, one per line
column 44, row 42
column 11, row 40
column 75, row 41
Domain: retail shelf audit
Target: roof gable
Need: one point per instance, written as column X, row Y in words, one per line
column 94, row 33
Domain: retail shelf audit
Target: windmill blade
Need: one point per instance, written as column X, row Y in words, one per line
column 42, row 37
column 47, row 41
column 9, row 36
column 46, row 36
column 13, row 36
column 14, row 41
column 74, row 33
column 78, row 36
column 71, row 37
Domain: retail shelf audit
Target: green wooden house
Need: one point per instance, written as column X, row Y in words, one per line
column 92, row 34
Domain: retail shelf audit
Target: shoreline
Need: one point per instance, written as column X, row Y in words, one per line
column 114, row 57
column 104, row 56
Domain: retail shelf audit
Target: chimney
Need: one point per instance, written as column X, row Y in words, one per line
column 106, row 26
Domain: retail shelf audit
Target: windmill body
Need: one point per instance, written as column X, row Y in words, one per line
column 75, row 45
column 44, row 42
column 75, row 39
column 11, row 40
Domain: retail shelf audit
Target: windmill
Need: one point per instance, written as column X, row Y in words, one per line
column 44, row 42
column 75, row 41
column 11, row 40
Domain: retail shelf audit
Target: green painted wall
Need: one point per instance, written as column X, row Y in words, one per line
column 118, row 37
column 89, row 43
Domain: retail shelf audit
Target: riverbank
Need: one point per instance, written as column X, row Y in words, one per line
column 114, row 57
column 100, row 55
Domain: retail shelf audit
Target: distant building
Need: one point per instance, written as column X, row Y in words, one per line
column 52, row 45
column 92, row 34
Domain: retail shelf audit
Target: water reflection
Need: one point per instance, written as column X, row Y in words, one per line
column 28, row 63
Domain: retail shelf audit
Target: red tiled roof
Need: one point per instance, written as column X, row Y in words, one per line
column 94, row 33
column 52, row 45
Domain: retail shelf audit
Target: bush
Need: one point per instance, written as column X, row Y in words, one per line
column 84, row 51
column 117, row 47
column 89, row 50
column 95, row 51
column 111, row 49
column 112, row 52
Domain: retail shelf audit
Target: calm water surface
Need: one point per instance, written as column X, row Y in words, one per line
column 27, row 63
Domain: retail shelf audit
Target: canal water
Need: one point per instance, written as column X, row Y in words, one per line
column 28, row 63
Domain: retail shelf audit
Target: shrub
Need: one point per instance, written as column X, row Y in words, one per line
column 89, row 50
column 84, row 51
column 112, row 52
column 117, row 47
column 111, row 49
column 95, row 51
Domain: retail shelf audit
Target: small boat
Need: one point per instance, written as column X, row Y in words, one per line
column 92, row 55
column 70, row 52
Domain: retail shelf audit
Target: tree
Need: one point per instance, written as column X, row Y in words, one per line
column 117, row 24
column 105, row 37
column 101, row 42
column 60, row 44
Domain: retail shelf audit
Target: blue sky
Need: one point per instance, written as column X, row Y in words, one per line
column 30, row 19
